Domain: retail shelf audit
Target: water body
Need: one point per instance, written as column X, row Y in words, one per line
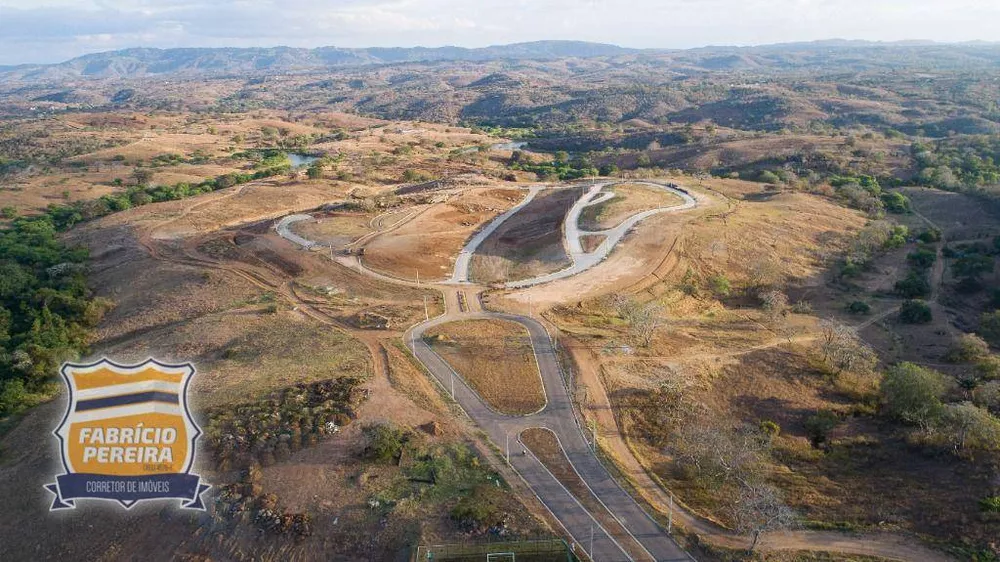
column 300, row 160
column 516, row 145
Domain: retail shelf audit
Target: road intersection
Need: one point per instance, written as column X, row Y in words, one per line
column 588, row 534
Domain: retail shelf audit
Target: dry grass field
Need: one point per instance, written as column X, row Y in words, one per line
column 335, row 229
column 496, row 359
column 629, row 199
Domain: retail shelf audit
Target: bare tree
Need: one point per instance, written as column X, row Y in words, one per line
column 763, row 274
column 642, row 319
column 759, row 509
column 843, row 350
column 774, row 303
column 719, row 453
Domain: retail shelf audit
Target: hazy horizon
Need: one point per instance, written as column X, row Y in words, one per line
column 51, row 31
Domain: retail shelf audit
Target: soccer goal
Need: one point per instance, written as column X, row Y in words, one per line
column 500, row 557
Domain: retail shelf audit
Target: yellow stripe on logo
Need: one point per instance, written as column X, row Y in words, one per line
column 106, row 377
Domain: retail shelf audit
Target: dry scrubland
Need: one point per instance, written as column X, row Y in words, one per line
column 718, row 360
column 430, row 242
column 220, row 289
column 90, row 151
column 496, row 358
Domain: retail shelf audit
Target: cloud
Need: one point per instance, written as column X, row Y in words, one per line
column 53, row 30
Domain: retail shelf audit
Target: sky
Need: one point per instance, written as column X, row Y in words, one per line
column 45, row 31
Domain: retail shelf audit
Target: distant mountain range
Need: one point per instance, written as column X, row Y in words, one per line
column 148, row 62
column 139, row 62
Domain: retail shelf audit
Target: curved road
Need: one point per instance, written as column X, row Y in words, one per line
column 583, row 261
column 559, row 417
column 589, row 536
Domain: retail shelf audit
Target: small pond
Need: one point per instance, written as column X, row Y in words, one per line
column 299, row 160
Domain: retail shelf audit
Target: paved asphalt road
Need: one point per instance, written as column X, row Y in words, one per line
column 557, row 416
column 571, row 230
column 587, row 533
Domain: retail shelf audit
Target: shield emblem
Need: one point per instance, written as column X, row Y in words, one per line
column 128, row 434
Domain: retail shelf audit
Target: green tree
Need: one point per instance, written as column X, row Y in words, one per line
column 922, row 258
column 989, row 327
column 912, row 394
column 314, row 171
column 971, row 427
column 385, row 442
column 819, row 425
column 896, row 202
column 915, row 312
column 972, row 266
column 913, row 286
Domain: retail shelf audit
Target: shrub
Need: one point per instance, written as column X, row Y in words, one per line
column 971, row 427
column 859, row 308
column 385, row 443
column 988, row 369
column 989, row 327
column 914, row 286
column 8, row 212
column 720, row 285
column 922, row 258
column 819, row 426
column 990, row 504
column 896, row 202
column 930, row 236
column 912, row 394
column 968, row 348
column 480, row 509
column 770, row 429
column 915, row 312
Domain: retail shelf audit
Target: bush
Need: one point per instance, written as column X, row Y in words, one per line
column 915, row 312
column 479, row 510
column 922, row 258
column 968, row 348
column 912, row 394
column 989, row 327
column 720, row 285
column 914, row 286
column 819, row 426
column 385, row 443
column 990, row 504
column 896, row 202
column 770, row 429
column 859, row 307
column 930, row 236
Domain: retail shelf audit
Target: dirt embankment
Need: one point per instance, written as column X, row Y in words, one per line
column 528, row 244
